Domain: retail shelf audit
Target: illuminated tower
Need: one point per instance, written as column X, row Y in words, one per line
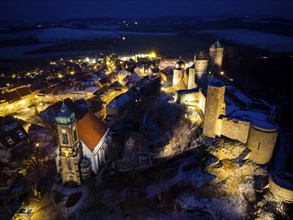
column 178, row 72
column 215, row 106
column 200, row 66
column 216, row 56
column 70, row 150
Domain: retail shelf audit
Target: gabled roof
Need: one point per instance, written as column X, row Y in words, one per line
column 91, row 130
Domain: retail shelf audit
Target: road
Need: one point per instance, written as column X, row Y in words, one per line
column 45, row 208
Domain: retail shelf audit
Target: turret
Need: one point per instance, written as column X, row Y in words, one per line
column 200, row 66
column 178, row 72
column 216, row 56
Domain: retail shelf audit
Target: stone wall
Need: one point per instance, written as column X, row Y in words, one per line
column 261, row 142
column 235, row 129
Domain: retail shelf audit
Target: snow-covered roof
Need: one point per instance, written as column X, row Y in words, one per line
column 217, row 45
column 120, row 100
column 241, row 106
column 91, row 89
column 90, row 130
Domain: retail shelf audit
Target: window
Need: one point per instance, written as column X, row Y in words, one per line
column 64, row 138
column 74, row 134
column 9, row 140
column 69, row 164
column 20, row 134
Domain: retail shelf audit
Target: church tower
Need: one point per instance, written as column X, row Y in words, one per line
column 178, row 72
column 216, row 56
column 70, row 149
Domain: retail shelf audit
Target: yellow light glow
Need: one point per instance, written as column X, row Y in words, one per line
column 222, row 72
column 72, row 72
column 153, row 55
column 10, row 106
column 22, row 102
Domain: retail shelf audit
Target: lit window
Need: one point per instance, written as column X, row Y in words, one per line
column 9, row 140
column 20, row 134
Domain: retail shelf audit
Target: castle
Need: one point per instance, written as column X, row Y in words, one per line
column 231, row 113
column 225, row 110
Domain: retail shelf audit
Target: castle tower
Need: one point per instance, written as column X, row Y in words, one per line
column 70, row 150
column 215, row 106
column 201, row 66
column 178, row 72
column 216, row 56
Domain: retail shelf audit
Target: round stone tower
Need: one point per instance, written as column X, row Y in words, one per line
column 178, row 72
column 216, row 56
column 200, row 67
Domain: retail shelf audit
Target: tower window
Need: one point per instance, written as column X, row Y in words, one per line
column 69, row 165
column 74, row 134
column 64, row 138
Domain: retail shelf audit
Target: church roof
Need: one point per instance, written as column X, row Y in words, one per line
column 66, row 116
column 91, row 129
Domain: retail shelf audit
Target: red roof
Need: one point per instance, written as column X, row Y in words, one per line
column 91, row 129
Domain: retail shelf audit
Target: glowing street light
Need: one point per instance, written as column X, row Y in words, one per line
column 222, row 73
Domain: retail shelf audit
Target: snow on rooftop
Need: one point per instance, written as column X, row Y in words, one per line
column 120, row 100
column 239, row 106
column 92, row 89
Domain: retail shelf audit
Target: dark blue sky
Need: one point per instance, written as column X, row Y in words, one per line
column 42, row 10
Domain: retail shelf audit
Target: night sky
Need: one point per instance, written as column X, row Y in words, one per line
column 46, row 10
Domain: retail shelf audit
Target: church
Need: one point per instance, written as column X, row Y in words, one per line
column 82, row 145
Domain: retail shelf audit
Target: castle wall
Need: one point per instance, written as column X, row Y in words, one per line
column 191, row 79
column 283, row 194
column 215, row 106
column 261, row 142
column 235, row 129
column 189, row 99
column 201, row 101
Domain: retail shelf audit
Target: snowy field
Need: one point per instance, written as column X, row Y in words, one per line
column 19, row 51
column 60, row 34
column 271, row 42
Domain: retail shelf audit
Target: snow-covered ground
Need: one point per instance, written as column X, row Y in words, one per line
column 271, row 42
column 148, row 33
column 59, row 34
column 19, row 51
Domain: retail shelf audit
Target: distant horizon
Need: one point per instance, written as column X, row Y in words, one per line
column 219, row 17
column 59, row 10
